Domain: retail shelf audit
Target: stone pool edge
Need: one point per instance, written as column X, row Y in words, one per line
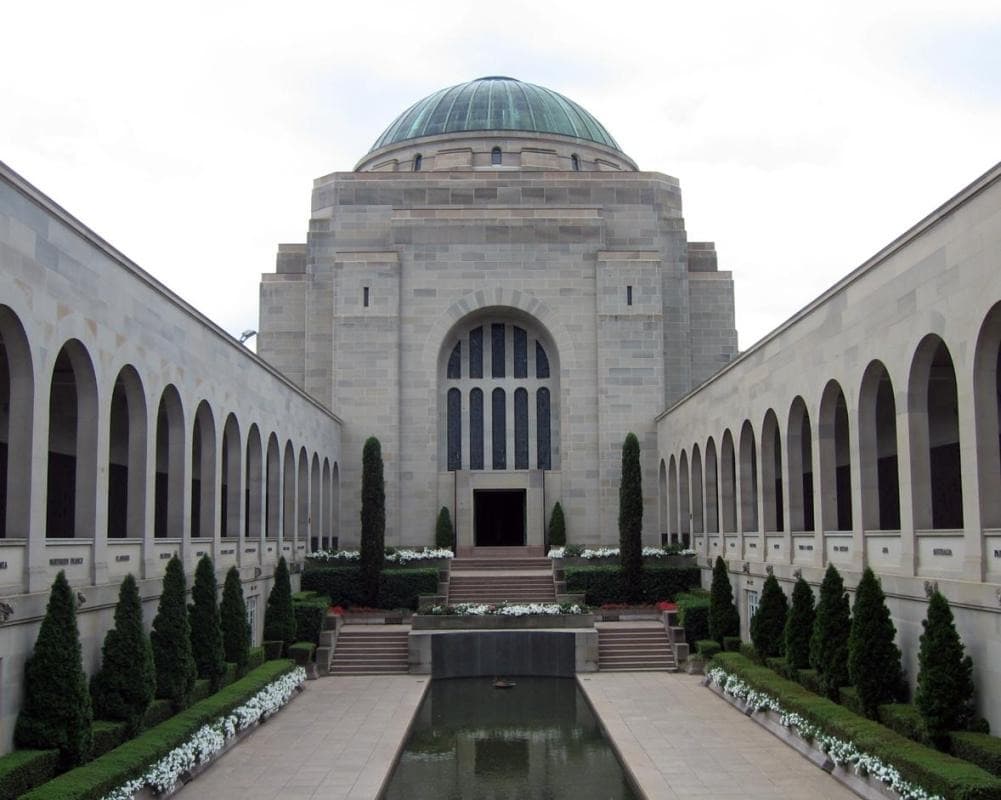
column 390, row 766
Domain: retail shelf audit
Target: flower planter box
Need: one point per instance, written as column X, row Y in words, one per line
column 375, row 617
column 664, row 561
column 629, row 614
column 503, row 622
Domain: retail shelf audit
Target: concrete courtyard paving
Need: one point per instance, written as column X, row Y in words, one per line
column 339, row 739
column 681, row 741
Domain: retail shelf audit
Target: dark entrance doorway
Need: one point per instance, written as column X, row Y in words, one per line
column 499, row 517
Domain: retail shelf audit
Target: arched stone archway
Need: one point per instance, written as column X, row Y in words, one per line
column 987, row 399
column 127, row 456
column 712, row 487
column 203, row 472
column 835, row 460
column 880, row 482
column 748, row 479
column 799, row 443
column 771, row 474
column 168, row 514
column 17, row 397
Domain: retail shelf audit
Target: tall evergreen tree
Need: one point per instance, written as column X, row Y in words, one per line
column 279, row 616
column 443, row 533
column 799, row 626
column 631, row 517
column 769, row 622
column 57, row 713
column 373, row 518
column 873, row 657
column 724, row 620
column 124, row 686
column 233, row 619
column 829, row 641
column 206, row 626
column 558, row 527
column 171, row 640
column 944, row 693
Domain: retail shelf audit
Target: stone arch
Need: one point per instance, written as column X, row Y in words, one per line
column 748, row 478
column 933, row 406
column 302, row 502
column 771, row 473
column 877, row 421
column 17, row 400
column 672, row 498
column 987, row 404
column 698, row 496
column 254, row 493
column 272, row 482
column 316, row 529
column 335, row 501
column 835, row 460
column 72, row 468
column 799, row 444
column 231, row 511
column 288, row 527
column 684, row 500
column 712, row 487
column 326, row 501
column 127, row 456
column 168, row 508
column 203, row 472
column 728, row 484
column 665, row 525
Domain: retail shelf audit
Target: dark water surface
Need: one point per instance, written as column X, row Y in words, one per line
column 537, row 741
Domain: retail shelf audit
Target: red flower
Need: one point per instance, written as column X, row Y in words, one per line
column 337, row 611
column 664, row 605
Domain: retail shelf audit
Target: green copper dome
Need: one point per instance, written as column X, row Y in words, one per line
column 495, row 103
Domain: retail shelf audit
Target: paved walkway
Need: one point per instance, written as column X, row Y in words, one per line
column 336, row 741
column 681, row 741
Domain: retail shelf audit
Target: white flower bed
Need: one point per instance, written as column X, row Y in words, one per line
column 210, row 739
column 397, row 557
column 842, row 753
column 508, row 609
column 608, row 552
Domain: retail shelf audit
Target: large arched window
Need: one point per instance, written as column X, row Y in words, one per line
column 835, row 460
column 497, row 397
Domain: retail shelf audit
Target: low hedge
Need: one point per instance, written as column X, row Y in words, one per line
column 605, row 583
column 255, row 658
column 905, row 719
column 732, row 643
column 982, row 749
column 24, row 769
column 158, row 711
column 693, row 616
column 930, row 769
column 707, row 648
column 747, row 650
column 95, row 779
column 398, row 588
column 848, row 697
column 309, row 614
column 807, row 678
column 108, row 734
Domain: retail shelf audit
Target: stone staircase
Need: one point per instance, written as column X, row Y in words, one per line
column 371, row 650
column 634, row 647
column 519, row 579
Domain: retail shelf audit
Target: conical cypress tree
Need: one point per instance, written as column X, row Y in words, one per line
column 944, row 693
column 233, row 619
column 279, row 617
column 558, row 527
column 799, row 626
column 443, row 534
column 171, row 640
column 873, row 658
column 829, row 641
column 724, row 620
column 125, row 685
column 56, row 713
column 373, row 518
column 769, row 622
column 206, row 627
column 631, row 517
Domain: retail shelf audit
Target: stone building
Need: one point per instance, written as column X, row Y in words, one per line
column 500, row 295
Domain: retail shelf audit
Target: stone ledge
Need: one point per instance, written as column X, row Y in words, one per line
column 500, row 622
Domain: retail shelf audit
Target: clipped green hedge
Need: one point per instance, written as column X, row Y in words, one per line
column 848, row 697
column 108, row 735
column 309, row 615
column 732, row 643
column 707, row 648
column 807, row 678
column 158, row 711
column 92, row 781
column 24, row 769
column 981, row 749
column 905, row 719
column 747, row 650
column 606, row 583
column 693, row 616
column 255, row 658
column 930, row 769
column 398, row 588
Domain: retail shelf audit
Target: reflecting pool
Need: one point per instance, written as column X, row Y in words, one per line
column 536, row 741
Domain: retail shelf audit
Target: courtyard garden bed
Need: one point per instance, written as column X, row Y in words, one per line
column 398, row 588
column 506, row 616
column 603, row 584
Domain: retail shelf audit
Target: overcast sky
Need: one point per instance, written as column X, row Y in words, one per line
column 806, row 136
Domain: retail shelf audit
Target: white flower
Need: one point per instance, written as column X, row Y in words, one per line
column 404, row 556
column 508, row 609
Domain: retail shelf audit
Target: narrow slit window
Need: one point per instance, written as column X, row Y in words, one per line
column 495, row 156
column 418, row 161
column 364, row 297
column 629, row 295
column 575, row 163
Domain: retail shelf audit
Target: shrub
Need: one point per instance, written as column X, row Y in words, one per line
column 373, row 518
column 279, row 619
column 96, row 779
column 558, row 527
column 302, row 652
column 56, row 713
column 944, row 693
column 935, row 772
column 707, row 648
column 233, row 620
column 206, row 628
column 807, row 678
column 108, row 735
column 748, row 651
column 631, row 517
column 777, row 664
column 607, row 583
column 732, row 643
column 255, row 658
column 693, row 616
column 158, row 711
column 905, row 719
column 799, row 626
column 24, row 769
column 171, row 639
column 309, row 616
column 848, row 697
column 723, row 617
column 398, row 588
column 444, row 536
column 124, row 686
column 978, row 748
column 829, row 641
column 769, row 622
column 873, row 658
